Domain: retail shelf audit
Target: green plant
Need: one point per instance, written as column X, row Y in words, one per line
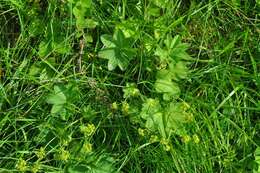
column 150, row 107
column 117, row 49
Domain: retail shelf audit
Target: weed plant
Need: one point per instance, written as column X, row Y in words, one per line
column 105, row 86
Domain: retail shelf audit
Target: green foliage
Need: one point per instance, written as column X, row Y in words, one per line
column 101, row 164
column 63, row 110
column 167, row 119
column 130, row 90
column 258, row 2
column 171, row 66
column 54, row 42
column 257, row 158
column 61, row 98
column 57, row 99
column 82, row 12
column 117, row 49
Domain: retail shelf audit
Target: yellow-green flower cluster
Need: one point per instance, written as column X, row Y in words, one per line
column 114, row 106
column 131, row 90
column 87, row 147
column 64, row 155
column 21, row 165
column 166, row 144
column 88, row 130
column 186, row 139
column 141, row 132
column 40, row 153
column 154, row 138
column 196, row 138
column 36, row 167
column 125, row 108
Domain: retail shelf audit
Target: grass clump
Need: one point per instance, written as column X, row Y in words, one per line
column 129, row 86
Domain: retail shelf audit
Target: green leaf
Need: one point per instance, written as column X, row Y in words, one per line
column 109, row 54
column 167, row 87
column 34, row 70
column 154, row 11
column 57, row 98
column 82, row 13
column 101, row 164
column 78, row 12
column 258, row 2
column 257, row 158
column 173, row 50
column 175, row 119
column 178, row 70
column 108, row 41
column 35, row 27
column 86, row 3
column 56, row 108
column 129, row 27
column 83, row 23
column 171, row 56
column 149, row 107
column 44, row 48
column 61, row 47
column 91, row 23
column 161, row 3
column 77, row 168
column 130, row 90
column 151, row 113
column 117, row 50
column 163, row 54
column 155, row 122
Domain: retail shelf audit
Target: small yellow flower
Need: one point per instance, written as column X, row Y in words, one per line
column 185, row 106
column 154, row 138
column 135, row 92
column 166, row 144
column 186, row 139
column 141, row 132
column 125, row 107
column 40, row 153
column 66, row 141
column 36, row 167
column 157, row 33
column 87, row 147
column 162, row 65
column 21, row 165
column 114, row 106
column 167, row 147
column 88, row 130
column 196, row 138
column 64, row 155
column 151, row 102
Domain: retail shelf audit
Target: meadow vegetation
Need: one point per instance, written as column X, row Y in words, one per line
column 106, row 86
